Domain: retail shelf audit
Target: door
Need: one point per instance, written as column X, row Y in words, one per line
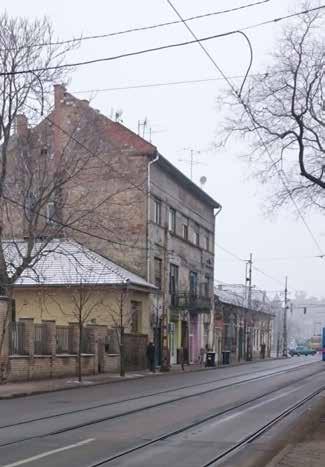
column 101, row 356
column 172, row 343
column 240, row 343
column 184, row 340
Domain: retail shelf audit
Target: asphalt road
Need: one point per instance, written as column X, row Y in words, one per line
column 210, row 410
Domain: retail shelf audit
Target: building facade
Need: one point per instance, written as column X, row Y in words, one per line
column 127, row 202
column 245, row 332
column 181, row 230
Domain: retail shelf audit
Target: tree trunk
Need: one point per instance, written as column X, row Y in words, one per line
column 122, row 353
column 79, row 352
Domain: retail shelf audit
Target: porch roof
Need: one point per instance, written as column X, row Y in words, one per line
column 66, row 262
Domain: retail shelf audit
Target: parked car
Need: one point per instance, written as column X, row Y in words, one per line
column 301, row 350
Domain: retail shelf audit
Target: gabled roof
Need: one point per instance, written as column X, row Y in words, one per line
column 237, row 296
column 186, row 182
column 66, row 262
column 120, row 135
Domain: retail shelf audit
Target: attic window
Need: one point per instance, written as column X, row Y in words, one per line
column 44, row 151
column 50, row 212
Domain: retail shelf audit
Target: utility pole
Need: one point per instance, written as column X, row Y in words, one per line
column 249, row 304
column 165, row 363
column 285, row 329
column 249, row 280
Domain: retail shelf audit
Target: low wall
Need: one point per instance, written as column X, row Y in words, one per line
column 111, row 363
column 29, row 368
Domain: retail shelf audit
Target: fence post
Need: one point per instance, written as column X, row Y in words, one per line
column 74, row 330
column 28, row 335
column 97, row 334
column 50, row 325
column 4, row 338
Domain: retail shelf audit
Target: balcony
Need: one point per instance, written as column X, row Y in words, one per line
column 190, row 302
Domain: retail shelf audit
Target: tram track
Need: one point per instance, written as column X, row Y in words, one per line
column 266, row 374
column 220, row 457
column 131, row 412
column 223, row 456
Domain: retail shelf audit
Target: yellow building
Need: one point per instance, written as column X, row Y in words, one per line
column 71, row 283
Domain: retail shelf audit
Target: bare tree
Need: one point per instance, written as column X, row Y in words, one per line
column 24, row 46
column 282, row 114
column 85, row 301
column 123, row 318
column 49, row 173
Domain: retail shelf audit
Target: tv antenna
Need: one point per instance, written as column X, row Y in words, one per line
column 191, row 159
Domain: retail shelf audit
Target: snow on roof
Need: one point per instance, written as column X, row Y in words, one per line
column 238, row 296
column 230, row 297
column 66, row 262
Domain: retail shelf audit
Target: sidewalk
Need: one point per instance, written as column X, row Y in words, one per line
column 309, row 449
column 28, row 388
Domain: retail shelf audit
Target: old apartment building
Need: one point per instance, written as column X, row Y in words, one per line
column 181, row 231
column 124, row 200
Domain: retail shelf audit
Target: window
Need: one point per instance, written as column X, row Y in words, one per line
column 157, row 211
column 173, row 279
column 207, row 241
column 196, row 234
column 172, row 220
column 185, row 229
column 157, row 267
column 136, row 315
column 193, row 283
column 205, row 286
column 50, row 212
column 44, row 151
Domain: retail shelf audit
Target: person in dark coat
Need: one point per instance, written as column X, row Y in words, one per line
column 151, row 356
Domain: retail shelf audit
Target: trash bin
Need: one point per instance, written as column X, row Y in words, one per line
column 210, row 359
column 226, row 357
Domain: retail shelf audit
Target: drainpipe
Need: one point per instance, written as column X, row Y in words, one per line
column 148, row 249
column 211, row 338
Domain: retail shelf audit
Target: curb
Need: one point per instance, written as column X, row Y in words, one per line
column 18, row 395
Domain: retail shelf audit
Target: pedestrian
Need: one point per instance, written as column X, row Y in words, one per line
column 151, row 357
column 181, row 357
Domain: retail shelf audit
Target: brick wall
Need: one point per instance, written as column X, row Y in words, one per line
column 30, row 368
column 107, row 192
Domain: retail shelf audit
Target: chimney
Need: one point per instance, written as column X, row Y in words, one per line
column 59, row 91
column 21, row 126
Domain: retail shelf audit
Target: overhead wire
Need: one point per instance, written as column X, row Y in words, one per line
column 159, row 48
column 197, row 40
column 161, row 84
column 140, row 28
column 100, row 237
column 92, row 153
column 238, row 96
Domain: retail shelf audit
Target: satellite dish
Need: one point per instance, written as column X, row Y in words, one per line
column 203, row 181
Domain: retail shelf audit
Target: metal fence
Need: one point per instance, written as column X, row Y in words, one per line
column 16, row 338
column 85, row 341
column 40, row 339
column 63, row 340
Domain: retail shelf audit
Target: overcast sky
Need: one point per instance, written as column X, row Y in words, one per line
column 187, row 116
